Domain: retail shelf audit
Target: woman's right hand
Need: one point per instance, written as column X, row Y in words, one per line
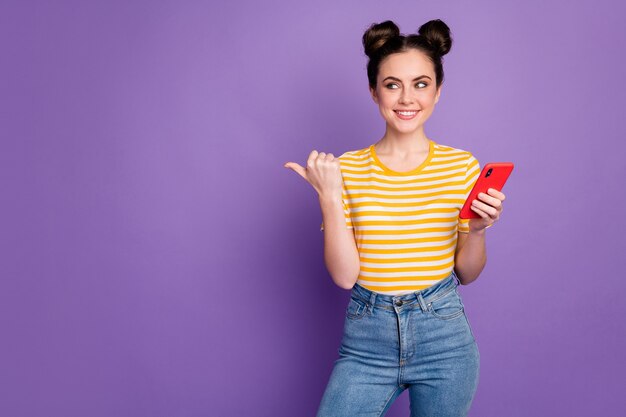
column 322, row 171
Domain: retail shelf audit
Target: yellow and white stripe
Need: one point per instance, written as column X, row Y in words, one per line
column 406, row 223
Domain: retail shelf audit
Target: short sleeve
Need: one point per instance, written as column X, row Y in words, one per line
column 346, row 208
column 472, row 172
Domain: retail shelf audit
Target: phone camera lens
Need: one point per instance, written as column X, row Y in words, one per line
column 489, row 172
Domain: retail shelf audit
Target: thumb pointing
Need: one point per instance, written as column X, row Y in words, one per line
column 296, row 167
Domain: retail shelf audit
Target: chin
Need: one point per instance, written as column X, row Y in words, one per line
column 406, row 129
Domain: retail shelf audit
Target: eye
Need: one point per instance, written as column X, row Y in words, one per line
column 394, row 84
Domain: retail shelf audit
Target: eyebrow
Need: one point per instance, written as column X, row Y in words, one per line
column 414, row 79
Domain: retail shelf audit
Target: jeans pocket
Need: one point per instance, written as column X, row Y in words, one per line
column 356, row 308
column 447, row 307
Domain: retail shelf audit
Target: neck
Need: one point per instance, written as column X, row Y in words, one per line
column 395, row 142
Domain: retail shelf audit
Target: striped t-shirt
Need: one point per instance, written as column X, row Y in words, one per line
column 406, row 223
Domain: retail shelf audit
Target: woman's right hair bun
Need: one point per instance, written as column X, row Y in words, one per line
column 437, row 33
column 377, row 35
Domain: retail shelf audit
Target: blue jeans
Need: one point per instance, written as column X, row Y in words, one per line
column 421, row 341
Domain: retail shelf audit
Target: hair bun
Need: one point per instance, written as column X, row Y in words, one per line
column 377, row 35
column 437, row 34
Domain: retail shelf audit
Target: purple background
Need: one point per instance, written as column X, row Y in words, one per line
column 158, row 260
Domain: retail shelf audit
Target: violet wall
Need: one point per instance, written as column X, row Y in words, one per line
column 157, row 259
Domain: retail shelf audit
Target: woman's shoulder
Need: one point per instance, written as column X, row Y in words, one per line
column 356, row 154
column 451, row 151
column 357, row 159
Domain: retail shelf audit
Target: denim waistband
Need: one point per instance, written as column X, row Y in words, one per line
column 391, row 302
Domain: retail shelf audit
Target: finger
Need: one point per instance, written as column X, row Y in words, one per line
column 481, row 213
column 322, row 155
column 330, row 157
column 312, row 156
column 296, row 167
column 498, row 194
column 492, row 211
column 492, row 201
column 487, row 215
column 497, row 200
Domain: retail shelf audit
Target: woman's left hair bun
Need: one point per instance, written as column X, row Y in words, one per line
column 377, row 35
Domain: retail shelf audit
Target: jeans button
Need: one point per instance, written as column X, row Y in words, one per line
column 398, row 303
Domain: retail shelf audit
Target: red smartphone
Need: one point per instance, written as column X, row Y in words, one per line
column 493, row 175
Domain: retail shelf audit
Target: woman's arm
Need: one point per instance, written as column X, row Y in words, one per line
column 340, row 252
column 471, row 255
column 323, row 172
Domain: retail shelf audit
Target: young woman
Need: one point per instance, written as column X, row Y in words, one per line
column 392, row 236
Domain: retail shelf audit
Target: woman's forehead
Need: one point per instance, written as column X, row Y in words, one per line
column 407, row 65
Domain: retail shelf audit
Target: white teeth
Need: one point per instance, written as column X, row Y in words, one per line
column 407, row 113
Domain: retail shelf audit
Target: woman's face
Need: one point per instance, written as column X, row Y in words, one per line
column 406, row 81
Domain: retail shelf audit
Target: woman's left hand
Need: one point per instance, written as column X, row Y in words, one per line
column 489, row 207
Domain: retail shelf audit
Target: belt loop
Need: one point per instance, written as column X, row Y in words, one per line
column 372, row 302
column 456, row 278
column 420, row 299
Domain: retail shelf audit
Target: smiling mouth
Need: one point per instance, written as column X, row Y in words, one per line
column 406, row 114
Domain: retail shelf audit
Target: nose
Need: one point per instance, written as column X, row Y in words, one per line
column 406, row 97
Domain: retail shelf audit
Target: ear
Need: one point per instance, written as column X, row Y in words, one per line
column 438, row 93
column 373, row 94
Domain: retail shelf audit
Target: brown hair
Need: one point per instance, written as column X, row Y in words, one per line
column 383, row 39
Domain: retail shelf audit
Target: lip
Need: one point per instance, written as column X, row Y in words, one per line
column 401, row 117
